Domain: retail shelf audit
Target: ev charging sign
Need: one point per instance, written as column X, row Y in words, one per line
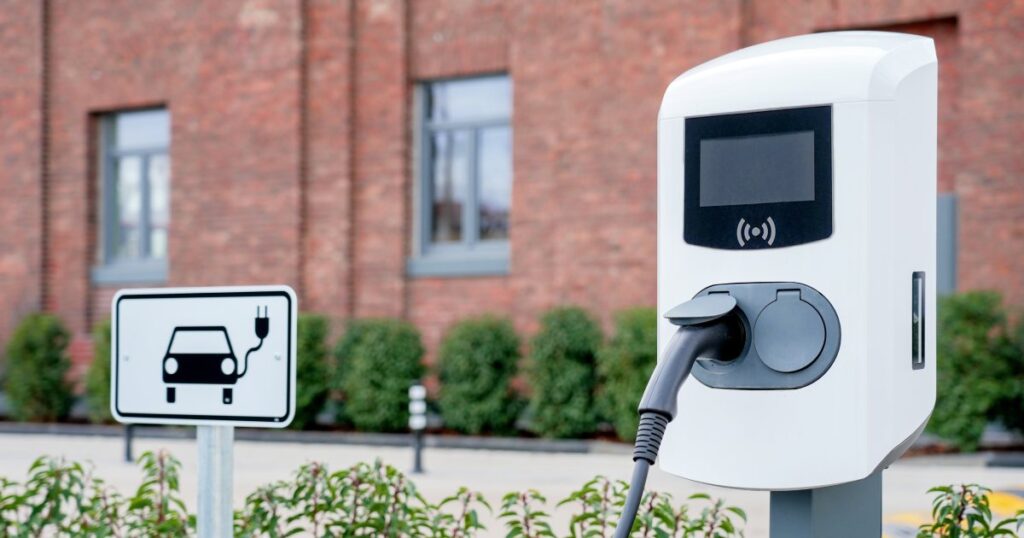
column 204, row 356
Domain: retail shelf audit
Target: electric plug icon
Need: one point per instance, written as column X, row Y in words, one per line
column 262, row 328
column 262, row 323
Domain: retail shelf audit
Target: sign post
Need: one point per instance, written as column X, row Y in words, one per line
column 214, row 358
column 216, row 463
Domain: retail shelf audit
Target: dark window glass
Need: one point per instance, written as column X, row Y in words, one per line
column 495, row 163
column 450, row 190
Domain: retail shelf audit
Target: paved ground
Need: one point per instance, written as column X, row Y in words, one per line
column 491, row 472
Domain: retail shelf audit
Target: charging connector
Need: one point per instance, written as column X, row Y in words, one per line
column 709, row 326
column 262, row 329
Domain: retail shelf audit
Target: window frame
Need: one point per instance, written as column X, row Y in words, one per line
column 111, row 269
column 470, row 256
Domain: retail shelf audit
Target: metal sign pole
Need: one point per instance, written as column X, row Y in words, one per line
column 215, row 514
column 852, row 510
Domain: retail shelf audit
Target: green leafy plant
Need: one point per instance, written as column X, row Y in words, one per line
column 312, row 376
column 362, row 500
column 599, row 503
column 624, row 365
column 523, row 514
column 1009, row 406
column 377, row 361
column 157, row 509
column 62, row 498
column 963, row 512
column 562, row 373
column 977, row 362
column 97, row 377
column 476, row 363
column 37, row 366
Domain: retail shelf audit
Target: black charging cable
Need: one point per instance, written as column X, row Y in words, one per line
column 709, row 327
column 262, row 329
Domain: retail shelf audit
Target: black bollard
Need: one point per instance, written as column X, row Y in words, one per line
column 129, row 431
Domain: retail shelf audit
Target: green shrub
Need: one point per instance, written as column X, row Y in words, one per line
column 476, row 363
column 97, row 378
column 37, row 367
column 975, row 366
column 1009, row 406
column 378, row 359
column 624, row 365
column 312, row 374
column 562, row 373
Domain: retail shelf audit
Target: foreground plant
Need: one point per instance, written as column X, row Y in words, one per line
column 62, row 498
column 362, row 500
column 964, row 512
column 600, row 502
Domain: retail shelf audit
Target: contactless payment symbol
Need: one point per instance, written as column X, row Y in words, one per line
column 765, row 232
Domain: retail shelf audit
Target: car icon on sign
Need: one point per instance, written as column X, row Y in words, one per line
column 200, row 356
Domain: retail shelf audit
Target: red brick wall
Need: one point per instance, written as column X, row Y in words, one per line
column 327, row 249
column 291, row 129
column 991, row 180
column 586, row 104
column 382, row 123
column 20, row 147
column 227, row 73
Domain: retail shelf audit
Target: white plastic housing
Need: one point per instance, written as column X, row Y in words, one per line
column 870, row 405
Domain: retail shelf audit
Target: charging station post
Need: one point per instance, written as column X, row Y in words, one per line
column 853, row 510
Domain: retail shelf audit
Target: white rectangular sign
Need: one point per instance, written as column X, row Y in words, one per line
column 204, row 356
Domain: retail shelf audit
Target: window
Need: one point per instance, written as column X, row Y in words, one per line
column 135, row 174
column 464, row 183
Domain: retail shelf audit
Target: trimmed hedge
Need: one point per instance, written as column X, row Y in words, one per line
column 624, row 366
column 97, row 378
column 312, row 374
column 378, row 359
column 476, row 363
column 979, row 368
column 37, row 366
column 1009, row 406
column 562, row 373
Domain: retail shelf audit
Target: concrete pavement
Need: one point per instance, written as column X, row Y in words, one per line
column 489, row 471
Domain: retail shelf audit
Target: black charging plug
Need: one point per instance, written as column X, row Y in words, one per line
column 709, row 326
column 262, row 323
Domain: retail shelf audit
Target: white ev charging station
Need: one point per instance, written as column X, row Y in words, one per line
column 796, row 267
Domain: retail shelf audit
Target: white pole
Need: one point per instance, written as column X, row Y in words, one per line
column 215, row 516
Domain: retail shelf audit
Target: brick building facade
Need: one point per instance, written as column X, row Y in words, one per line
column 295, row 138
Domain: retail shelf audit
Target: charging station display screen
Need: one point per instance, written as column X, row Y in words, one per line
column 758, row 169
column 759, row 179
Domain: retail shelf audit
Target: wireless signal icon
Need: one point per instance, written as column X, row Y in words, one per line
column 766, row 231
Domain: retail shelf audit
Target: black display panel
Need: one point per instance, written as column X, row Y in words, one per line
column 758, row 179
